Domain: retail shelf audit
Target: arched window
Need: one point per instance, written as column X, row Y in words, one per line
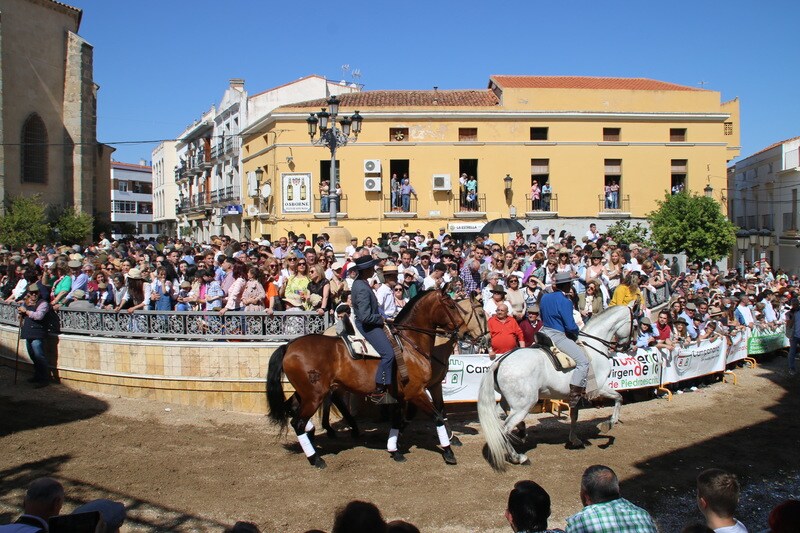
column 34, row 150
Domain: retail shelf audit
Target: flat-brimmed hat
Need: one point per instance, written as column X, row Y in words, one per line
column 680, row 320
column 74, row 264
column 714, row 311
column 563, row 251
column 596, row 254
column 390, row 269
column 33, row 287
column 645, row 320
column 364, row 262
column 532, row 308
column 562, row 277
column 691, row 307
column 134, row 273
column 78, row 294
column 498, row 290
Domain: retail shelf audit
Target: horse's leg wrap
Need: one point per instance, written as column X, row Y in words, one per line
column 444, row 440
column 391, row 445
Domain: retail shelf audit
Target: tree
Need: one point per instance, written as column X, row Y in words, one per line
column 74, row 228
column 623, row 232
column 692, row 224
column 24, row 222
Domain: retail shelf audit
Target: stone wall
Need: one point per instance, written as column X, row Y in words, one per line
column 220, row 375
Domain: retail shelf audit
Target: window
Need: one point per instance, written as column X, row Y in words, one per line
column 678, row 175
column 398, row 135
column 467, row 134
column 539, row 134
column 612, row 183
column 122, row 186
column 728, row 126
column 677, row 135
column 142, row 187
column 540, row 174
column 123, row 207
column 34, row 150
column 768, row 221
column 611, row 134
column 145, row 208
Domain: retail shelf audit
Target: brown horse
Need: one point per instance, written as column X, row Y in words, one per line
column 315, row 364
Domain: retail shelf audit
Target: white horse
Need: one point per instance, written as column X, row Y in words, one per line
column 525, row 375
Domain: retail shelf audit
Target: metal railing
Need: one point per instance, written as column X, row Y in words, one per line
column 231, row 144
column 622, row 204
column 181, row 172
column 183, row 325
column 462, row 204
column 321, row 206
column 547, row 203
column 225, row 194
column 660, row 296
column 398, row 206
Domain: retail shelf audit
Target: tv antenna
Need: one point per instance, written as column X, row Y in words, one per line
column 356, row 74
column 345, row 70
column 702, row 84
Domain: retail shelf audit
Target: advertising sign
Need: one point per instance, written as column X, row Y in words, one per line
column 642, row 369
column 737, row 350
column 464, row 376
column 695, row 360
column 767, row 340
column 296, row 188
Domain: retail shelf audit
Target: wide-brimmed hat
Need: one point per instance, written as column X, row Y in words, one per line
column 134, row 273
column 680, row 320
column 364, row 262
column 74, row 264
column 293, row 299
column 33, row 287
column 499, row 290
column 337, row 265
column 78, row 294
column 389, row 269
column 596, row 254
column 714, row 311
column 562, row 277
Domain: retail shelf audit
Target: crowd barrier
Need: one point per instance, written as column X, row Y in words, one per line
column 650, row 368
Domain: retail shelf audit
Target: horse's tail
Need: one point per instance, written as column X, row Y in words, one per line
column 278, row 407
column 493, row 431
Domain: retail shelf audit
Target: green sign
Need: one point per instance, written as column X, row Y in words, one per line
column 758, row 344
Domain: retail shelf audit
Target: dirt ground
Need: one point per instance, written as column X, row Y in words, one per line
column 190, row 469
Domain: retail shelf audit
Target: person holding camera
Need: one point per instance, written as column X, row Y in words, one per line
column 34, row 330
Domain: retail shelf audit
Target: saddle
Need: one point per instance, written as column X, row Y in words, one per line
column 561, row 361
column 357, row 346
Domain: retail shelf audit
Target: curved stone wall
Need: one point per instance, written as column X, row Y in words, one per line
column 220, row 375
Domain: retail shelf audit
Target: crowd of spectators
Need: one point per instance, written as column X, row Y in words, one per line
column 295, row 274
column 527, row 510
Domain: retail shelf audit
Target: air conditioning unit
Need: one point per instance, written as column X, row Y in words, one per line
column 372, row 184
column 372, row 166
column 441, row 182
column 252, row 210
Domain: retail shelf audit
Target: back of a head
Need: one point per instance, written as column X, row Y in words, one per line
column 44, row 496
column 529, row 506
column 600, row 484
column 697, row 528
column 243, row 527
column 359, row 517
column 401, row 526
column 785, row 517
column 720, row 490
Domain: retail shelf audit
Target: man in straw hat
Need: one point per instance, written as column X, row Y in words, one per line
column 559, row 325
column 369, row 322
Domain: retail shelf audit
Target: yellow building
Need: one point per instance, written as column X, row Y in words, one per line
column 583, row 137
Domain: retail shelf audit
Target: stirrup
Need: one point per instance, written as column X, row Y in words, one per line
column 381, row 397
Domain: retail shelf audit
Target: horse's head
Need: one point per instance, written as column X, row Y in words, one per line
column 448, row 316
column 616, row 322
column 475, row 324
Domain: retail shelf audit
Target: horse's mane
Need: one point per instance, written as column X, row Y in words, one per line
column 406, row 310
column 598, row 318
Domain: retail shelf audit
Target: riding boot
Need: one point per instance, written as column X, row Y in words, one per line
column 381, row 395
column 577, row 398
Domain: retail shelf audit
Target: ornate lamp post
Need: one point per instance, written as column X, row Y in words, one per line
column 753, row 236
column 764, row 240
column 742, row 241
column 332, row 137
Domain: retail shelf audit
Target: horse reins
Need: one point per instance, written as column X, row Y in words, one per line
column 611, row 345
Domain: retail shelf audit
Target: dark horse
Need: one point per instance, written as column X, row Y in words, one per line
column 315, row 364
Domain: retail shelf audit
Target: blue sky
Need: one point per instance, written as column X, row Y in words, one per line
column 161, row 63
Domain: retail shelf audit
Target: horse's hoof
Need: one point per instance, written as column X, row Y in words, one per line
column 455, row 441
column 397, row 457
column 524, row 459
column 605, row 427
column 319, row 462
column 573, row 446
column 449, row 456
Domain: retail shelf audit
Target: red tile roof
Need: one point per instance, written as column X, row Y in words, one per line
column 441, row 98
column 130, row 165
column 774, row 145
column 586, row 82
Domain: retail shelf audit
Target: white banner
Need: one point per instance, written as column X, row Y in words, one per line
column 737, row 350
column 642, row 369
column 464, row 376
column 296, row 188
column 695, row 360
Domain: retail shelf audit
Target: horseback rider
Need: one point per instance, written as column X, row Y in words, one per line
column 559, row 324
column 369, row 322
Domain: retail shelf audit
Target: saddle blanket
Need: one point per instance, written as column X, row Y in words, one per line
column 358, row 346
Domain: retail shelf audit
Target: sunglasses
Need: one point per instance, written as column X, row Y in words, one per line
column 302, row 264
column 292, row 259
column 398, row 290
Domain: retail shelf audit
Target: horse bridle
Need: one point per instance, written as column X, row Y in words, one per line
column 613, row 346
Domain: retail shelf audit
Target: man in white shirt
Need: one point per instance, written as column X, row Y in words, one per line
column 593, row 234
column 383, row 291
column 350, row 250
column 717, row 499
column 435, row 280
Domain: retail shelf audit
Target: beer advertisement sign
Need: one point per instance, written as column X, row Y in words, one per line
column 296, row 188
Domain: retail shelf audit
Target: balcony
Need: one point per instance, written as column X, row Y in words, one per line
column 181, row 206
column 399, row 210
column 465, row 207
column 545, row 207
column 225, row 195
column 217, row 150
column 619, row 207
column 321, row 207
column 181, row 173
column 791, row 160
column 231, row 144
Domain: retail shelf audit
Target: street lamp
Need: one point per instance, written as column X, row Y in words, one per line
column 742, row 241
column 764, row 240
column 708, row 190
column 753, row 236
column 332, row 137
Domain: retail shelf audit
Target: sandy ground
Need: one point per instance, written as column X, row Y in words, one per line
column 190, row 469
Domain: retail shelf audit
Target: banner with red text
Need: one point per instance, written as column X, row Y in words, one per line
column 695, row 360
